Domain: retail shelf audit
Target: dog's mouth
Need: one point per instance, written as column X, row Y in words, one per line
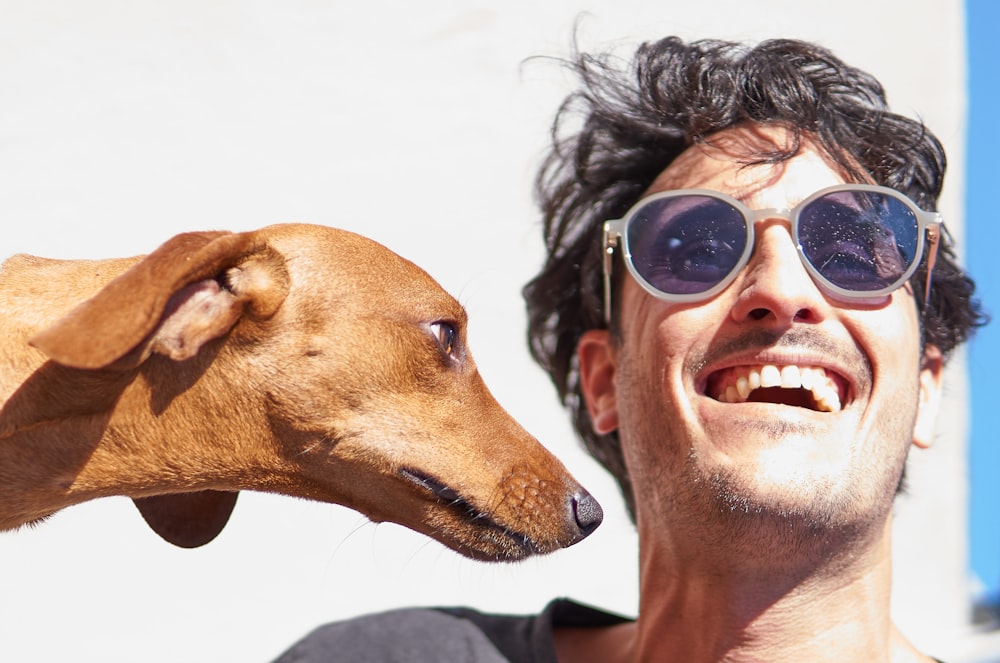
column 490, row 540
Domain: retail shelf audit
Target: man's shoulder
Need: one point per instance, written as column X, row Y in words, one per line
column 413, row 634
column 447, row 634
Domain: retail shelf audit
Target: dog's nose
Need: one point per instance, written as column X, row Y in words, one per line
column 587, row 512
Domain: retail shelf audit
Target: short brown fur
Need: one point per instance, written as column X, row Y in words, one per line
column 295, row 359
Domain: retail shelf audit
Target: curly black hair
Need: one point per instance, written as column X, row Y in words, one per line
column 629, row 120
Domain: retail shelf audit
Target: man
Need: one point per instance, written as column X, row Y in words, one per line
column 739, row 309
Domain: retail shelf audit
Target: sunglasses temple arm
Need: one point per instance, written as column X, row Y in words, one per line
column 608, row 263
column 933, row 238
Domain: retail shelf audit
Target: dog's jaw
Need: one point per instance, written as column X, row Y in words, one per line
column 491, row 538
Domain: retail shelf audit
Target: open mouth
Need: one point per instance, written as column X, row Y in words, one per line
column 810, row 387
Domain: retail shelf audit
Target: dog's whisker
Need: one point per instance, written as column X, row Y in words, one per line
column 309, row 449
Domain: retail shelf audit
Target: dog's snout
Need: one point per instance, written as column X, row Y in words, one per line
column 587, row 512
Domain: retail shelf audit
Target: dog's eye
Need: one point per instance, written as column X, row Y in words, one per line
column 446, row 335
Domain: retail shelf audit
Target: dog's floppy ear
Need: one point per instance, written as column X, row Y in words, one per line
column 188, row 520
column 192, row 289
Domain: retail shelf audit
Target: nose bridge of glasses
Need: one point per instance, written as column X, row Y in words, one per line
column 767, row 217
column 779, row 254
column 757, row 216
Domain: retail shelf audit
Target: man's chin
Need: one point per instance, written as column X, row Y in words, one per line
column 801, row 507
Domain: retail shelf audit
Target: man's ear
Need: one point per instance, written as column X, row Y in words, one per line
column 596, row 358
column 931, row 370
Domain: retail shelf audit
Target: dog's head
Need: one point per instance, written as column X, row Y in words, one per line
column 363, row 390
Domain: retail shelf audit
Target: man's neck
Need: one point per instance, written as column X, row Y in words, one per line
column 710, row 608
column 688, row 617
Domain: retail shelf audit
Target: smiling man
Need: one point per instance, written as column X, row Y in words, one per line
column 758, row 498
column 710, row 390
column 747, row 305
column 751, row 348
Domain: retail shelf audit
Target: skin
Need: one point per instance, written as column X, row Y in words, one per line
column 764, row 527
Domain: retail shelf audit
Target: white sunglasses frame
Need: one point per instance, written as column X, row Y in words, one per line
column 928, row 229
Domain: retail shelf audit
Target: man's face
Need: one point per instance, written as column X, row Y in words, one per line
column 825, row 447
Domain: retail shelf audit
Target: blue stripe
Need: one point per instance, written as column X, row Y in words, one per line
column 982, row 247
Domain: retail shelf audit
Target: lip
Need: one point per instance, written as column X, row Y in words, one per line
column 448, row 497
column 502, row 542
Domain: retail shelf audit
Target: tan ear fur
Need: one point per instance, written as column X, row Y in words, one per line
column 174, row 280
column 263, row 280
column 194, row 316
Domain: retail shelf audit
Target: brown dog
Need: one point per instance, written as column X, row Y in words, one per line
column 295, row 359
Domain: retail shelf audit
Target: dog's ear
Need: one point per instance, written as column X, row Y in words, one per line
column 188, row 520
column 192, row 289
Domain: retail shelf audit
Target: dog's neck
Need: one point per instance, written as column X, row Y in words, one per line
column 110, row 433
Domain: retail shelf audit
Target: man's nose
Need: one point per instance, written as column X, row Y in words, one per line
column 775, row 286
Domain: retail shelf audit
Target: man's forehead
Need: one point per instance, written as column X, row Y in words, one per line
column 731, row 162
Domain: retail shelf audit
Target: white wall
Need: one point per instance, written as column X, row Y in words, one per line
column 418, row 124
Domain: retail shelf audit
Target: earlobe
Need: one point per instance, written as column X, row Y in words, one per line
column 597, row 379
column 931, row 370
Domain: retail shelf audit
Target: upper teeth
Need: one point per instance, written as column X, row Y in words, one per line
column 741, row 381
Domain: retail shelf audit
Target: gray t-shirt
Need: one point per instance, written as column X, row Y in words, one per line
column 445, row 635
column 452, row 635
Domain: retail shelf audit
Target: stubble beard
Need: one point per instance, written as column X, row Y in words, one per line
column 814, row 521
column 817, row 522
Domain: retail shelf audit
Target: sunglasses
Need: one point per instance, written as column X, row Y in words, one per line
column 856, row 241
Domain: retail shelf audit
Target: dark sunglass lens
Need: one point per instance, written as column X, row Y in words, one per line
column 686, row 244
column 859, row 240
